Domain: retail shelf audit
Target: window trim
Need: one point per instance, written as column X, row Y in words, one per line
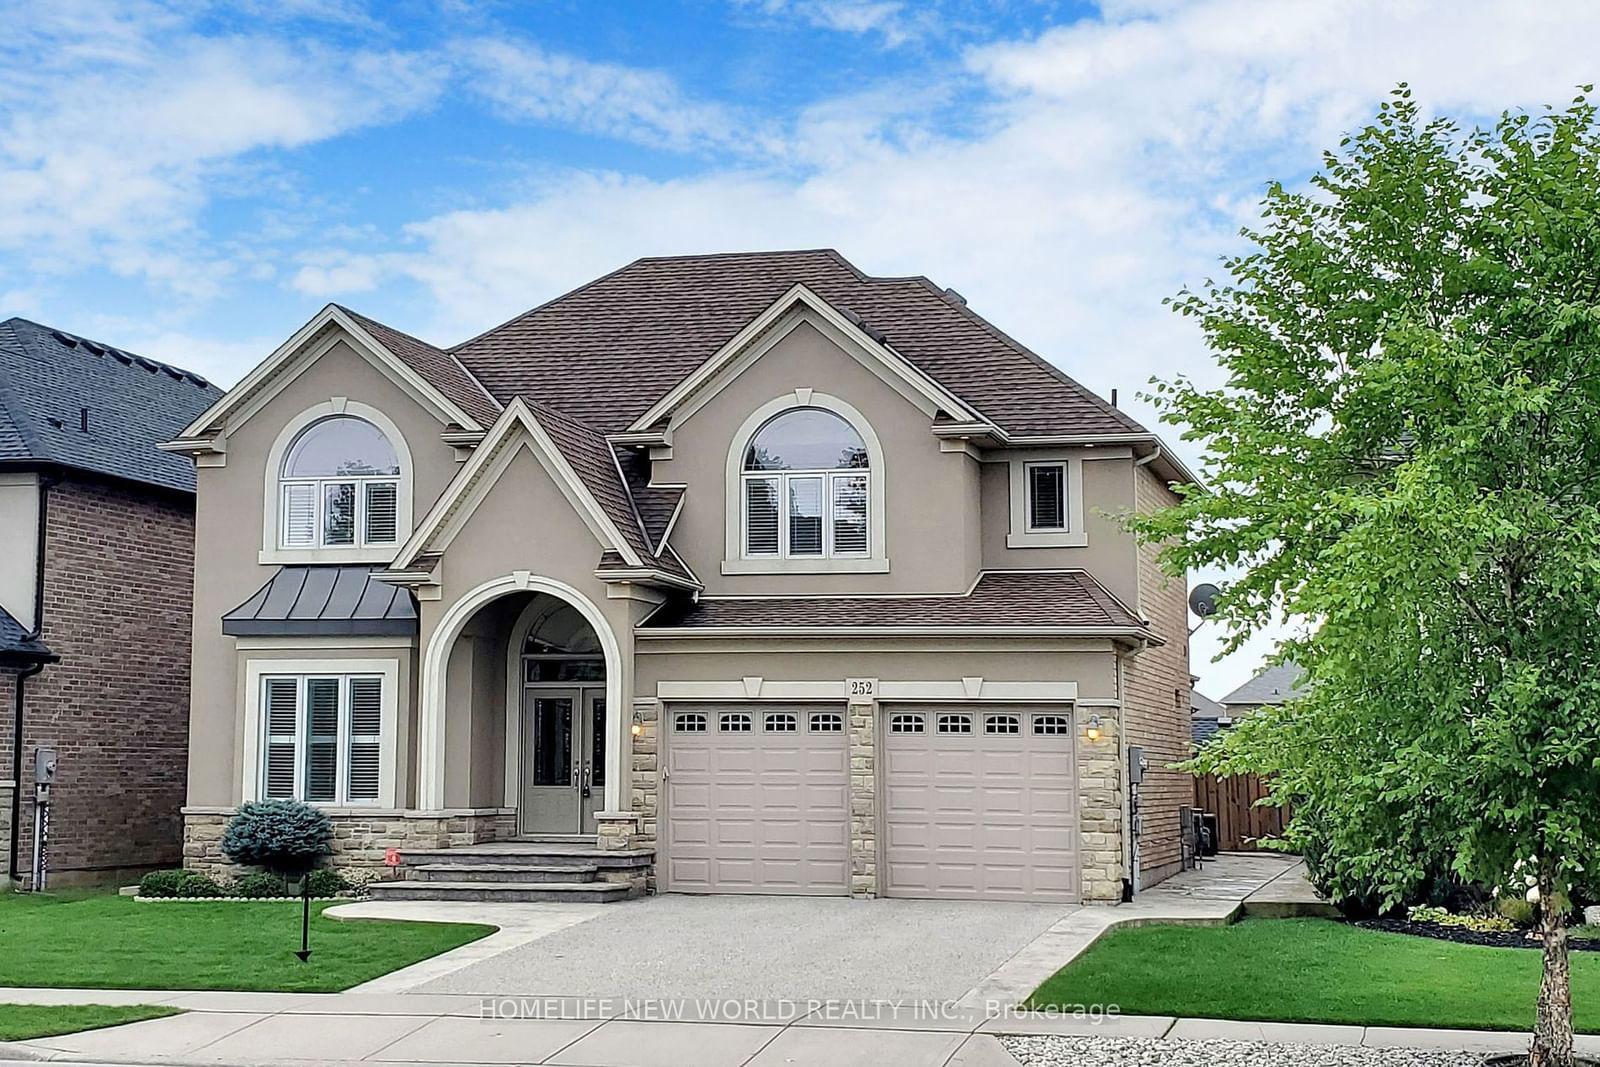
column 736, row 510
column 273, row 517
column 785, row 548
column 257, row 671
column 1022, row 534
column 320, row 488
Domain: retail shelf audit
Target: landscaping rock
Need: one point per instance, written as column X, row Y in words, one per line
column 1133, row 1052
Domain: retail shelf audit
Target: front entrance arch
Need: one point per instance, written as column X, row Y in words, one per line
column 432, row 696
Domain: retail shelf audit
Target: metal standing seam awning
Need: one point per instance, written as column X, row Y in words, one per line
column 326, row 601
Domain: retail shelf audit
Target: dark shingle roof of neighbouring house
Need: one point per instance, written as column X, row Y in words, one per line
column 1275, row 685
column 605, row 352
column 1070, row 599
column 332, row 601
column 1200, row 704
column 438, row 367
column 15, row 643
column 48, row 377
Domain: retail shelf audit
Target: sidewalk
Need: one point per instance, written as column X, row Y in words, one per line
column 384, row 1029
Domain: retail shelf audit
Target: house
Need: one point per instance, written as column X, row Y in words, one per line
column 1278, row 684
column 96, row 552
column 729, row 573
column 1207, row 717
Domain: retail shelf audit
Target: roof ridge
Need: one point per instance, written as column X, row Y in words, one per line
column 195, row 378
column 447, row 353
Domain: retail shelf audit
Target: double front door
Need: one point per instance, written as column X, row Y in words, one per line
column 563, row 759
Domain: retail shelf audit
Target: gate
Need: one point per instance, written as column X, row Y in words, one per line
column 1240, row 824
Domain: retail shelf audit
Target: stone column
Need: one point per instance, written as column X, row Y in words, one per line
column 644, row 792
column 863, row 725
column 1100, row 806
column 6, row 789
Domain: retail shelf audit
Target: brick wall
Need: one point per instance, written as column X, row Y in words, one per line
column 119, row 575
column 1157, row 698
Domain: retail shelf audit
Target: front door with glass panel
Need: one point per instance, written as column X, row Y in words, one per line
column 564, row 758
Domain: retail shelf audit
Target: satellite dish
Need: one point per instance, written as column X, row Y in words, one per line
column 1203, row 599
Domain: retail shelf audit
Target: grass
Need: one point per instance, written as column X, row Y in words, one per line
column 105, row 941
column 22, row 1022
column 1314, row 970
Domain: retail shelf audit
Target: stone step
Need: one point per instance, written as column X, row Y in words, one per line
column 502, row 872
column 554, row 839
column 539, row 853
column 502, row 892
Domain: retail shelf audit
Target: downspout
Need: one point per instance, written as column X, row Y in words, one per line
column 26, row 673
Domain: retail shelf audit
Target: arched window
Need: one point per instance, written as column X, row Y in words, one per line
column 805, row 488
column 339, row 487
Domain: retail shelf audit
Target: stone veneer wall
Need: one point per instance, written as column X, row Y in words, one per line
column 863, row 720
column 644, row 792
column 6, row 789
column 359, row 841
column 1100, row 807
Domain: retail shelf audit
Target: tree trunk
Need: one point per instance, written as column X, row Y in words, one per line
column 1552, row 1023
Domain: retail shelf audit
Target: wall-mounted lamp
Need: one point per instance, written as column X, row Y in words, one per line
column 637, row 727
column 1092, row 732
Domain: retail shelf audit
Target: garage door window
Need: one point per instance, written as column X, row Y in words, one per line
column 781, row 722
column 955, row 724
column 1002, row 724
column 735, row 722
column 827, row 722
column 689, row 722
column 1051, row 724
column 906, row 724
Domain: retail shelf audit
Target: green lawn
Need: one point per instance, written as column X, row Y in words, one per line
column 111, row 942
column 21, row 1022
column 1314, row 970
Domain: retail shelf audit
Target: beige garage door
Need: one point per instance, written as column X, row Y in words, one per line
column 757, row 800
column 980, row 803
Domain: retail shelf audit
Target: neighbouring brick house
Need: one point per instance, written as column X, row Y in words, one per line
column 96, row 585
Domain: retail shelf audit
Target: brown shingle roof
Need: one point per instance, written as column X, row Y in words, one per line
column 605, row 352
column 999, row 599
column 438, row 367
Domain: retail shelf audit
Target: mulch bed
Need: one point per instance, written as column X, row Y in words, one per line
column 1512, row 939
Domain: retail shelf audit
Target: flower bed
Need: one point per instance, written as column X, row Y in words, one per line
column 1461, row 935
column 324, row 884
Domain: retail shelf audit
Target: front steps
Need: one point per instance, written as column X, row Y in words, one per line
column 558, row 868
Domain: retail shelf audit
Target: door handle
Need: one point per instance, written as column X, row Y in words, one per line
column 574, row 774
column 587, row 779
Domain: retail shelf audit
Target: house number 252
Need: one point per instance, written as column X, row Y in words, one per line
column 861, row 689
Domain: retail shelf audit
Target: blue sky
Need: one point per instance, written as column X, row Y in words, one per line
column 193, row 180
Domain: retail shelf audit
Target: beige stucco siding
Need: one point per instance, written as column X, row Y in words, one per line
column 1158, row 698
column 1108, row 490
column 930, row 496
column 228, row 521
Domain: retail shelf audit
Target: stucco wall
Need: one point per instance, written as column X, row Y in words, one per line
column 228, row 524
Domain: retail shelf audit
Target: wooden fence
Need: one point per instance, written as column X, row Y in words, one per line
column 1240, row 824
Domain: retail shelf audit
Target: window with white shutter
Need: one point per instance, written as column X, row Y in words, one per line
column 806, row 488
column 340, row 487
column 382, row 521
column 299, row 515
column 322, row 738
column 761, row 516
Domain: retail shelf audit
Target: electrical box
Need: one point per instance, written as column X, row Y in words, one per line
column 1136, row 764
column 44, row 766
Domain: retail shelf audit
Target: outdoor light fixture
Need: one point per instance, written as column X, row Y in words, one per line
column 1093, row 731
column 638, row 725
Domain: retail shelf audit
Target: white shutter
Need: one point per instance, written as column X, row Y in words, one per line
column 382, row 520
column 849, row 515
column 761, row 516
column 366, row 726
column 322, row 739
column 280, row 698
column 805, row 515
column 299, row 515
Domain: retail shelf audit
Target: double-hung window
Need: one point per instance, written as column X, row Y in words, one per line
column 805, row 488
column 340, row 487
column 321, row 738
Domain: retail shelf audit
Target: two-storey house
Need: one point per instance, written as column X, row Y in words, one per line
column 732, row 573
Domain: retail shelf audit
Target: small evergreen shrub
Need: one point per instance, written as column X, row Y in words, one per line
column 327, row 882
column 195, row 884
column 161, row 883
column 257, row 886
column 284, row 836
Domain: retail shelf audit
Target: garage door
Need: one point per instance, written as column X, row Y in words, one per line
column 980, row 803
column 757, row 800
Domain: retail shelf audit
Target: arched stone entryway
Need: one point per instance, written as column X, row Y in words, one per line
column 553, row 612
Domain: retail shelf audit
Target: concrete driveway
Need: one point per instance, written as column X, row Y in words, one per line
column 766, row 948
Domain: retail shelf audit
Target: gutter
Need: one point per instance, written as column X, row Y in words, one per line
column 23, row 674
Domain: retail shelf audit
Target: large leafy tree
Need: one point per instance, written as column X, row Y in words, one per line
column 1405, row 462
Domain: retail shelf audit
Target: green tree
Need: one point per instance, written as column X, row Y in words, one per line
column 1405, row 464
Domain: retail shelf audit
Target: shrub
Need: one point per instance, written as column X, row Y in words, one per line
column 284, row 836
column 1516, row 910
column 194, row 884
column 326, row 882
column 161, row 883
column 257, row 886
column 1479, row 924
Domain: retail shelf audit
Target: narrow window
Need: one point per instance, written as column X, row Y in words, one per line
column 366, row 723
column 1051, row 724
column 322, row 740
column 849, row 515
column 735, row 722
column 382, row 520
column 781, row 722
column 1002, row 724
column 955, row 723
column 281, row 700
column 805, row 516
column 689, row 722
column 906, row 724
column 1047, row 496
column 761, row 516
column 827, row 722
